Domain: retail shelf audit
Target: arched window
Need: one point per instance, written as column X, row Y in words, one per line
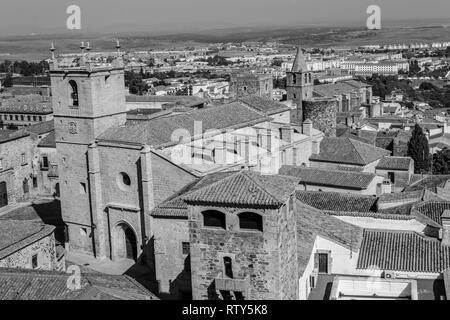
column 250, row 221
column 215, row 219
column 73, row 88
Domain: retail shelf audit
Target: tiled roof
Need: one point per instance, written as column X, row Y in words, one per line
column 331, row 178
column 157, row 132
column 333, row 89
column 402, row 251
column 357, row 84
column 416, row 195
column 41, row 127
column 22, row 284
column 264, row 105
column 9, row 135
column 312, row 222
column 245, row 188
column 16, row 235
column 334, row 201
column 429, row 182
column 176, row 207
column 433, row 209
column 365, row 136
column 348, row 151
column 395, row 163
column 181, row 100
column 49, row 141
column 27, row 104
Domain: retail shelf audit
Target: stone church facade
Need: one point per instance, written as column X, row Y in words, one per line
column 114, row 175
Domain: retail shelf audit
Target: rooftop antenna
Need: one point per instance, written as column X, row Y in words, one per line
column 52, row 50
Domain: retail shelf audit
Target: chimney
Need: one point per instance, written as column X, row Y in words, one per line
column 307, row 127
column 384, row 187
column 286, row 134
column 358, row 131
column 220, row 154
column 445, row 218
column 316, row 147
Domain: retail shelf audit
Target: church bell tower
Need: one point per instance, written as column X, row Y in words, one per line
column 88, row 97
column 299, row 85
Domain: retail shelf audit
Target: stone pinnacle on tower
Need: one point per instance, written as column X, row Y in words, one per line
column 52, row 50
column 299, row 64
column 118, row 46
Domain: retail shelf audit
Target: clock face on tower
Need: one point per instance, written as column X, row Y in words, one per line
column 73, row 128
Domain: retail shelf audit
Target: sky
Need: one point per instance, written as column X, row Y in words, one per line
column 49, row 16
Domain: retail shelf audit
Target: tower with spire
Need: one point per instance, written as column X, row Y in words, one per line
column 300, row 85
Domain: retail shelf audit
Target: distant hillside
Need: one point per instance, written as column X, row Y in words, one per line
column 36, row 47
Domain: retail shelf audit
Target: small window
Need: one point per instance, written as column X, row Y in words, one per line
column 312, row 282
column 391, row 176
column 10, row 117
column 1, row 164
column 228, row 266
column 34, row 118
column 17, row 118
column 29, row 118
column 215, row 219
column 250, row 221
column 185, row 248
column 35, row 183
column 44, row 162
column 40, row 118
column 25, row 186
column 34, row 261
column 23, row 158
column 82, row 188
column 22, row 118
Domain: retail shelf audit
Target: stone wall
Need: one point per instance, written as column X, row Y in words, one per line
column 242, row 85
column 267, row 259
column 44, row 248
column 323, row 114
column 172, row 266
column 14, row 171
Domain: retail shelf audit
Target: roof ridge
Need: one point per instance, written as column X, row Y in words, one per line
column 246, row 174
column 354, row 147
column 43, row 226
column 212, row 184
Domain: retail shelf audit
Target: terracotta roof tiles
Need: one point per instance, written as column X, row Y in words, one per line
column 402, row 251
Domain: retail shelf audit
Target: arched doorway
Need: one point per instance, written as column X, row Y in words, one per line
column 125, row 242
column 3, row 194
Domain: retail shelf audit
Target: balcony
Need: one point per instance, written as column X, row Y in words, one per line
column 235, row 285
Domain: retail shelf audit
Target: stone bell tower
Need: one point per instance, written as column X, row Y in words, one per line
column 88, row 98
column 300, row 86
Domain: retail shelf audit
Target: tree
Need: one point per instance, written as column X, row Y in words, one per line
column 276, row 62
column 8, row 83
column 414, row 67
column 441, row 162
column 419, row 150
